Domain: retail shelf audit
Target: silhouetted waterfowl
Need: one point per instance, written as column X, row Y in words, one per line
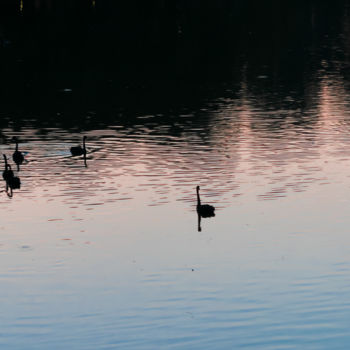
column 78, row 150
column 204, row 210
column 13, row 182
column 7, row 173
column 17, row 156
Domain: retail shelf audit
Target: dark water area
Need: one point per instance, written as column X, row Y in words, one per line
column 109, row 249
column 106, row 51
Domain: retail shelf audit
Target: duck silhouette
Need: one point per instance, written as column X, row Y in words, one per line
column 78, row 150
column 17, row 156
column 204, row 210
column 13, row 182
column 7, row 173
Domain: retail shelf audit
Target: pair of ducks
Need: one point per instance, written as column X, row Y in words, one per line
column 76, row 151
column 13, row 181
column 18, row 157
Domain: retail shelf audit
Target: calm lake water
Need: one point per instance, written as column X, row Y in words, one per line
column 109, row 256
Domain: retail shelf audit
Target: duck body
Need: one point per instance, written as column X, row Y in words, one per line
column 78, row 150
column 206, row 210
column 7, row 173
column 18, row 157
column 14, row 182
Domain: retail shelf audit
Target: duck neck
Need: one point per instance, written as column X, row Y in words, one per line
column 84, row 144
column 6, row 165
column 198, row 198
column 16, row 146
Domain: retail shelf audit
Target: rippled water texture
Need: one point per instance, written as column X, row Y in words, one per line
column 109, row 256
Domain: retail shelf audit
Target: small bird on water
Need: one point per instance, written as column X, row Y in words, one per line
column 204, row 210
column 7, row 173
column 78, row 150
column 13, row 182
column 17, row 156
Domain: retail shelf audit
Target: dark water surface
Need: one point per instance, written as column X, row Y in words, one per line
column 109, row 256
